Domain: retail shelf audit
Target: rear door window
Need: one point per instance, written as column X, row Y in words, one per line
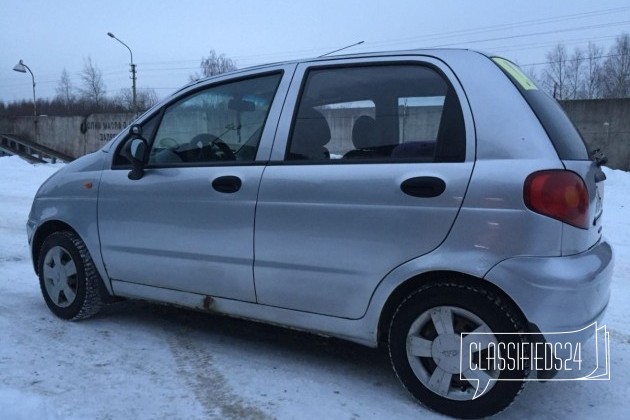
column 390, row 113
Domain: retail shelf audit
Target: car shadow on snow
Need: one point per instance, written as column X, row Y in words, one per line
column 229, row 356
column 240, row 331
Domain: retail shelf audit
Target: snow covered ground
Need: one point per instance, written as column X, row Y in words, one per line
column 138, row 360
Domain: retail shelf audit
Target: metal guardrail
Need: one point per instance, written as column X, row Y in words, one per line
column 11, row 144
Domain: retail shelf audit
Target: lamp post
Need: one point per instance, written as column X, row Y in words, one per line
column 133, row 72
column 607, row 127
column 22, row 68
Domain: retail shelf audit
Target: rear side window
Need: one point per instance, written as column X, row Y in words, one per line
column 566, row 139
column 388, row 113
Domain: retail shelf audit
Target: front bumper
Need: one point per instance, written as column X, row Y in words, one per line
column 559, row 294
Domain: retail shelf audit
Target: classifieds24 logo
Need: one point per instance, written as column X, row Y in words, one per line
column 555, row 356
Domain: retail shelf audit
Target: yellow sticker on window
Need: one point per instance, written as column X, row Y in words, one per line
column 516, row 73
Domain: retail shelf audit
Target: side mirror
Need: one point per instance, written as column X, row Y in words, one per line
column 138, row 151
column 135, row 131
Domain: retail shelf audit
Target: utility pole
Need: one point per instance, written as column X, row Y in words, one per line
column 133, row 87
column 133, row 74
column 22, row 68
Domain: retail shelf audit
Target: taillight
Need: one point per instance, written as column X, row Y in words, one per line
column 559, row 194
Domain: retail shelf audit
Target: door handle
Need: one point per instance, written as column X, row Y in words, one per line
column 227, row 184
column 423, row 186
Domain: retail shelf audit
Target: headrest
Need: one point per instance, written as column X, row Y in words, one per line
column 311, row 130
column 364, row 135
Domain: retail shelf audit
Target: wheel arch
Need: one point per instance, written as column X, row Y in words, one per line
column 45, row 230
column 407, row 287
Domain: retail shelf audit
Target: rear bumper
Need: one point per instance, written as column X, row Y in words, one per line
column 559, row 294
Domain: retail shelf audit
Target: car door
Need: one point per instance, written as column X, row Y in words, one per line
column 188, row 223
column 367, row 173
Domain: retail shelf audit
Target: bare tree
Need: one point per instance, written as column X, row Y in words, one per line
column 592, row 71
column 616, row 75
column 555, row 75
column 93, row 87
column 574, row 74
column 214, row 64
column 65, row 90
column 530, row 71
column 145, row 98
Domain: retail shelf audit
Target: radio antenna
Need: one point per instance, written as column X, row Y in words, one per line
column 340, row 49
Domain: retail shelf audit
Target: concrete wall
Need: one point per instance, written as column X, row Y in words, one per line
column 74, row 136
column 604, row 124
column 6, row 126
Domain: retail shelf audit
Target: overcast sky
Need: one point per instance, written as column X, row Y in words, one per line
column 169, row 38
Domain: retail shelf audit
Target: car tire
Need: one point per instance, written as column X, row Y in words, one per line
column 425, row 348
column 71, row 286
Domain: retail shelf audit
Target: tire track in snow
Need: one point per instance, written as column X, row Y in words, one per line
column 196, row 365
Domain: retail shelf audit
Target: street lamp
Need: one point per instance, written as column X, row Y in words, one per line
column 22, row 68
column 133, row 72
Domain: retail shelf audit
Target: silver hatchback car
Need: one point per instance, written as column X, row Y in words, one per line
column 403, row 199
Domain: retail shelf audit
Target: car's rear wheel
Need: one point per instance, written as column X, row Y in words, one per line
column 440, row 362
column 71, row 286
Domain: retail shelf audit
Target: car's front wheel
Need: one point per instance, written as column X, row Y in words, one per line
column 442, row 364
column 71, row 286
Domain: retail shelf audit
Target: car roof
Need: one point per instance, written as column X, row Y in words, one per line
column 435, row 52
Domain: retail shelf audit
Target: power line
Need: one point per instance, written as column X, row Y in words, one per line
column 182, row 65
column 568, row 42
column 570, row 59
column 449, row 34
column 494, row 28
column 580, row 28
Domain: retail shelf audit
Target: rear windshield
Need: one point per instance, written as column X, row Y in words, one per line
column 565, row 137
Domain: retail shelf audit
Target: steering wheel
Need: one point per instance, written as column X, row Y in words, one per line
column 225, row 152
column 207, row 147
column 168, row 142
